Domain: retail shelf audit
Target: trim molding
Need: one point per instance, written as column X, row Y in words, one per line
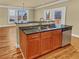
column 6, row 6
column 7, row 25
column 75, row 35
column 17, row 46
column 60, row 1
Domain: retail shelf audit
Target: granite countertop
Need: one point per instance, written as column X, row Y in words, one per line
column 37, row 29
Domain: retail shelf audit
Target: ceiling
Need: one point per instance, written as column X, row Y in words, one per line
column 27, row 3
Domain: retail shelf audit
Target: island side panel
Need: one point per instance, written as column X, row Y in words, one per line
column 23, row 44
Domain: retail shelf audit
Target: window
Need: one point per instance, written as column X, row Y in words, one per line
column 18, row 15
column 47, row 14
column 59, row 13
column 12, row 15
column 55, row 14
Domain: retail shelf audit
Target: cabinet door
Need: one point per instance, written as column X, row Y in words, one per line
column 33, row 46
column 56, row 39
column 45, row 42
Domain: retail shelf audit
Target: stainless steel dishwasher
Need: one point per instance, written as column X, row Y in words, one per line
column 66, row 38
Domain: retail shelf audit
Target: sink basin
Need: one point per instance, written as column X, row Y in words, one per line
column 38, row 28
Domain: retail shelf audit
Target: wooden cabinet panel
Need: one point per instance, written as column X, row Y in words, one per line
column 46, row 34
column 45, row 46
column 23, row 44
column 56, row 39
column 45, row 42
column 33, row 45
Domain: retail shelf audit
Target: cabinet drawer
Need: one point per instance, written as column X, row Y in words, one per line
column 57, row 31
column 33, row 36
column 46, row 34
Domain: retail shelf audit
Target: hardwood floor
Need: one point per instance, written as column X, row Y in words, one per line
column 8, row 44
column 8, row 47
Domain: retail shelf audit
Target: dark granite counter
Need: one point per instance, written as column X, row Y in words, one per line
column 43, row 28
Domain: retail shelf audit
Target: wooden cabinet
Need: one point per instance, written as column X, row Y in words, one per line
column 33, row 45
column 45, row 42
column 56, row 39
column 30, row 45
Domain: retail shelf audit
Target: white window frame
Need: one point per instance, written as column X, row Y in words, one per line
column 17, row 15
column 52, row 13
column 9, row 15
column 27, row 11
column 63, row 14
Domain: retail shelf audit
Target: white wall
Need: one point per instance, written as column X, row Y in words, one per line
column 39, row 12
column 4, row 16
column 72, row 13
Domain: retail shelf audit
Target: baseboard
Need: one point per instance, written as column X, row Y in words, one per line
column 17, row 46
column 75, row 35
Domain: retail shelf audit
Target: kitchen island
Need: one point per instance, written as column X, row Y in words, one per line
column 39, row 40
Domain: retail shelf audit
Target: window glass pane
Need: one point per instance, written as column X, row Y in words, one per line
column 12, row 15
column 58, row 15
column 18, row 15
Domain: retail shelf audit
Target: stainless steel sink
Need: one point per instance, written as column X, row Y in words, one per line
column 33, row 29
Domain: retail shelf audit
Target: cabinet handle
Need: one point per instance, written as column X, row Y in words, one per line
column 34, row 36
